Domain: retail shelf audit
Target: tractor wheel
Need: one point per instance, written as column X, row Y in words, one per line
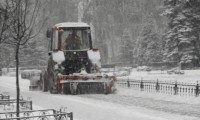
column 65, row 88
column 52, row 74
column 53, row 79
column 44, row 82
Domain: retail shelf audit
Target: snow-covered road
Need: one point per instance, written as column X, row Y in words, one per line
column 102, row 107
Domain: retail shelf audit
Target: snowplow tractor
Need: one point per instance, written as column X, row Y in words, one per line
column 74, row 65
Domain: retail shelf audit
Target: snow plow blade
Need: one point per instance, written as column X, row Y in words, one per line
column 85, row 84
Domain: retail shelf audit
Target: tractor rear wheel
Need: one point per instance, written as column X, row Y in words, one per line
column 53, row 84
column 52, row 75
column 44, row 82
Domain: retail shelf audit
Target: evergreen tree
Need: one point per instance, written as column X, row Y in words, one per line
column 126, row 48
column 6, row 56
column 4, row 21
column 150, row 44
column 182, row 38
column 113, row 21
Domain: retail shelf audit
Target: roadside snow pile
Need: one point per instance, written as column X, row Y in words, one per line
column 9, row 72
column 143, row 68
column 27, row 74
column 190, row 76
column 118, row 71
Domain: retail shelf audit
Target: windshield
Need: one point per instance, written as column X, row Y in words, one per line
column 73, row 39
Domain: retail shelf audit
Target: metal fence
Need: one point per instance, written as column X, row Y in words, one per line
column 47, row 114
column 173, row 88
column 10, row 104
column 4, row 97
column 26, row 110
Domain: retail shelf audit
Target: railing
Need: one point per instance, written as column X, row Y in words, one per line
column 173, row 88
column 10, row 104
column 48, row 114
column 4, row 97
column 26, row 112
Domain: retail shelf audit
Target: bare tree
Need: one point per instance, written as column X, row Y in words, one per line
column 23, row 21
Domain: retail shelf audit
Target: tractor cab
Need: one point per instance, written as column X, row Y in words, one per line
column 72, row 42
column 70, row 36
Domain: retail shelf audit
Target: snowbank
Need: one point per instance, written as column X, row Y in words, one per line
column 190, row 76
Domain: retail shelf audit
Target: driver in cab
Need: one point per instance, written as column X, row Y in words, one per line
column 72, row 41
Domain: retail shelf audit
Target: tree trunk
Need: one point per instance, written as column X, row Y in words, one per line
column 17, row 78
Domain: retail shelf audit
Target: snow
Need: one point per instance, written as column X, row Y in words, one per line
column 180, row 16
column 94, row 56
column 85, row 108
column 9, row 71
column 72, row 24
column 190, row 76
column 32, row 70
column 89, row 81
column 159, row 96
column 167, row 12
column 58, row 56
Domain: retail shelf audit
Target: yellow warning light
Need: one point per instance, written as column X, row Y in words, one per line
column 57, row 28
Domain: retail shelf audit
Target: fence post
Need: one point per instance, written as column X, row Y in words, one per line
column 175, row 88
column 197, row 90
column 128, row 83
column 31, row 105
column 71, row 116
column 157, row 86
column 141, row 85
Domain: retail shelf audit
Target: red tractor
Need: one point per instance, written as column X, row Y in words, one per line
column 74, row 65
